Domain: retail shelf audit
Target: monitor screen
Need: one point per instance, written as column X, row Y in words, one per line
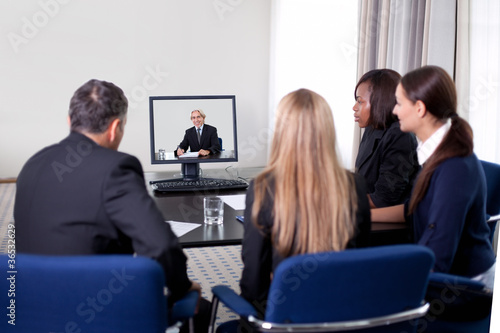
column 170, row 121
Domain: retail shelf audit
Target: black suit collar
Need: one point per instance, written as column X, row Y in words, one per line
column 79, row 137
column 368, row 145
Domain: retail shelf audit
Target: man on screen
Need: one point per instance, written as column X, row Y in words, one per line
column 201, row 137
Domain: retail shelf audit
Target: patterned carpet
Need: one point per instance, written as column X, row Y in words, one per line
column 7, row 192
column 209, row 266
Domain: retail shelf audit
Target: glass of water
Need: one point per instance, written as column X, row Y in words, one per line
column 213, row 209
column 161, row 154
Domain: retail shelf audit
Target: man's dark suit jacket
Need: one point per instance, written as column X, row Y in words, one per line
column 209, row 139
column 388, row 161
column 78, row 198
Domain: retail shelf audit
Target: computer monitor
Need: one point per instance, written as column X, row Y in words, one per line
column 170, row 117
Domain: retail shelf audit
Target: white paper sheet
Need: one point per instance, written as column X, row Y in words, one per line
column 189, row 154
column 237, row 202
column 182, row 228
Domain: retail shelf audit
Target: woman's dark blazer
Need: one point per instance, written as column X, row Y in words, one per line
column 451, row 218
column 260, row 257
column 387, row 160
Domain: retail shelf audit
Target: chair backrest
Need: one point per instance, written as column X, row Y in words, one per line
column 101, row 293
column 492, row 174
column 349, row 285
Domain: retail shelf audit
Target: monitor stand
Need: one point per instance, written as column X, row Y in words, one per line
column 189, row 171
column 192, row 181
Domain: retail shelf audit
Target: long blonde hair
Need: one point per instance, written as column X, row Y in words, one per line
column 315, row 201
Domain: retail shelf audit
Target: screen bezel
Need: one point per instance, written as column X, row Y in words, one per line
column 201, row 100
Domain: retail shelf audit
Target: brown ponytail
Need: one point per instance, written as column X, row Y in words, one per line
column 434, row 87
column 458, row 142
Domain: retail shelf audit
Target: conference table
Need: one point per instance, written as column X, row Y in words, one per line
column 187, row 207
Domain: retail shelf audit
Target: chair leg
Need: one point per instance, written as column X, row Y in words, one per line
column 191, row 325
column 213, row 314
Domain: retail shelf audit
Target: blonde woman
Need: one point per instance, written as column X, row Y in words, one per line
column 304, row 201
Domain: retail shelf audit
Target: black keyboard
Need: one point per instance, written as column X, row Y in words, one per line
column 198, row 185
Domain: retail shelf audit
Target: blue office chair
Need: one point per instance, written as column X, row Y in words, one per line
column 492, row 173
column 220, row 144
column 457, row 305
column 379, row 289
column 101, row 293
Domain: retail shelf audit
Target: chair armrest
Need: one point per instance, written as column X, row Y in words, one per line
column 234, row 301
column 494, row 218
column 459, row 298
column 185, row 307
column 458, row 282
column 343, row 326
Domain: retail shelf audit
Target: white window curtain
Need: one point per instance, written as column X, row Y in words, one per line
column 406, row 34
column 483, row 104
column 462, row 36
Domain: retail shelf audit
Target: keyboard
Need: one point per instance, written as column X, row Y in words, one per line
column 205, row 184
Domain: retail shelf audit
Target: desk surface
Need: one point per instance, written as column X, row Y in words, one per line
column 170, row 158
column 188, row 207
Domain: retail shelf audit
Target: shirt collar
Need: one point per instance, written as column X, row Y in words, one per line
column 427, row 148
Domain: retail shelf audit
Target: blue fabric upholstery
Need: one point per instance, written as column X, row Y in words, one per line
column 236, row 303
column 386, row 279
column 185, row 307
column 444, row 326
column 348, row 285
column 106, row 293
column 458, row 304
column 492, row 174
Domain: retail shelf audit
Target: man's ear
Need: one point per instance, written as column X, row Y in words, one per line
column 69, row 121
column 113, row 127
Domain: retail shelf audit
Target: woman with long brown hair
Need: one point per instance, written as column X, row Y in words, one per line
column 304, row 201
column 447, row 205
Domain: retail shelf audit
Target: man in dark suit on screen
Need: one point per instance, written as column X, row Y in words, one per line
column 82, row 197
column 201, row 137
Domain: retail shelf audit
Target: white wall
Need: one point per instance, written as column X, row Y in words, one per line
column 147, row 47
column 314, row 46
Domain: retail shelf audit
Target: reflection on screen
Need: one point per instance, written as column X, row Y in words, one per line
column 170, row 118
